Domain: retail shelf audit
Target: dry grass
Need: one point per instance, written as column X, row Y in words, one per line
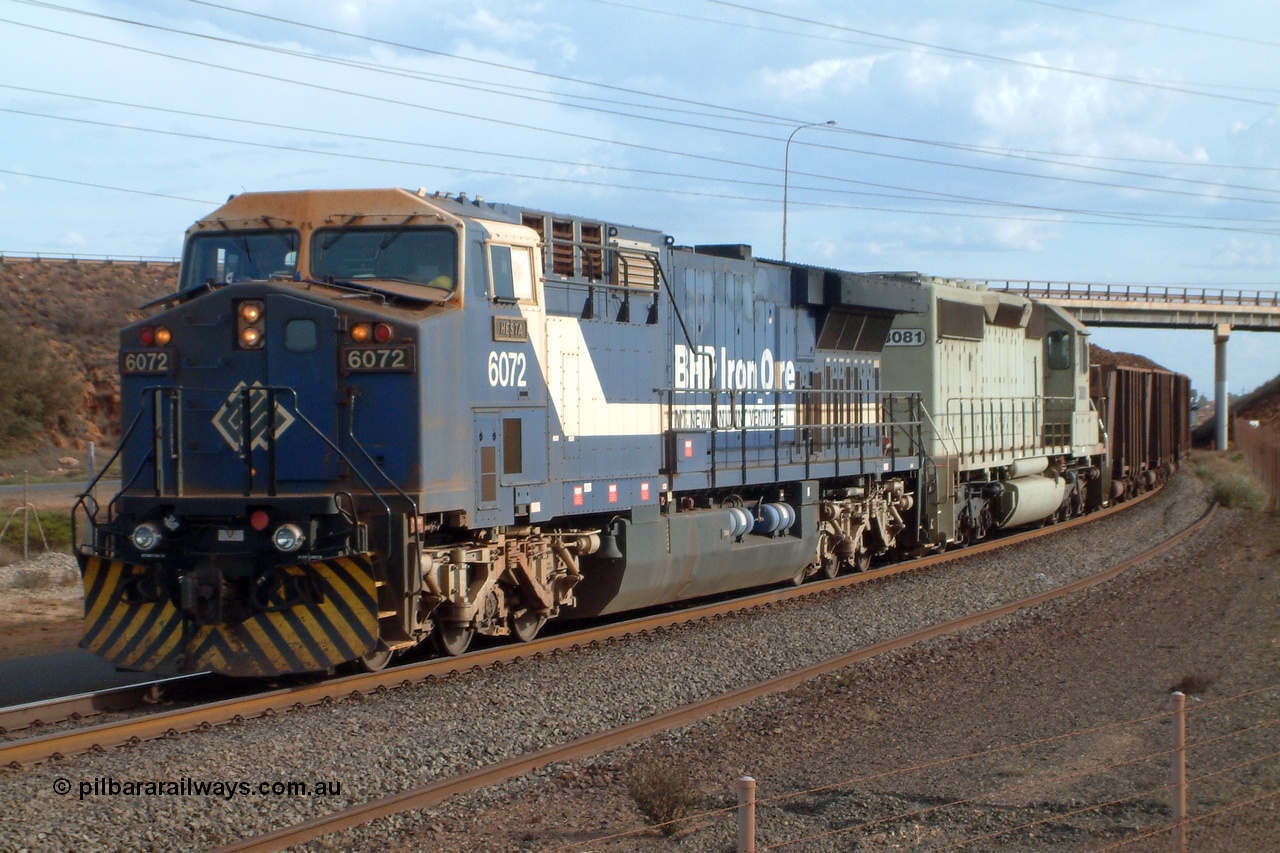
column 663, row 793
column 1233, row 482
column 1193, row 684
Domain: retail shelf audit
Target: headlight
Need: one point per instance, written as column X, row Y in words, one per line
column 146, row 536
column 287, row 538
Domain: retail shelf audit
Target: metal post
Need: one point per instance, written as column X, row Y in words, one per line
column 746, row 815
column 1179, row 772
column 26, row 517
column 1221, row 401
column 786, row 177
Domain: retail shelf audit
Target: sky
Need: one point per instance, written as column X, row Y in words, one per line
column 1128, row 142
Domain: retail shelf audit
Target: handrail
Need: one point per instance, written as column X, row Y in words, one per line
column 1004, row 424
column 176, row 391
column 824, row 419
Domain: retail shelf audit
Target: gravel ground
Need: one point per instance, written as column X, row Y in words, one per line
column 379, row 745
column 41, row 605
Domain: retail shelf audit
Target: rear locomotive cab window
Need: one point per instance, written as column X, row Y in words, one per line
column 511, row 273
column 1057, row 347
column 423, row 256
column 230, row 256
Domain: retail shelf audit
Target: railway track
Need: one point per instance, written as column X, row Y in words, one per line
column 18, row 753
column 34, row 715
column 435, row 793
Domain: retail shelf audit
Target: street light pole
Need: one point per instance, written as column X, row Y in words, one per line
column 786, row 176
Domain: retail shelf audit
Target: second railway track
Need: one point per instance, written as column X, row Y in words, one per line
column 436, row 793
column 203, row 716
column 464, row 723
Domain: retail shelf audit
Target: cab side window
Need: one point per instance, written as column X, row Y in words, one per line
column 1058, row 350
column 511, row 273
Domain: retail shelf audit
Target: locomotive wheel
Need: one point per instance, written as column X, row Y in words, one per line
column 861, row 560
column 525, row 624
column 376, row 660
column 452, row 640
column 828, row 562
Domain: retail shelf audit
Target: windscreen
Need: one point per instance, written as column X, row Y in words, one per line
column 425, row 256
column 226, row 257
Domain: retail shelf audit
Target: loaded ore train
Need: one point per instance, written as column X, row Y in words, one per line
column 371, row 419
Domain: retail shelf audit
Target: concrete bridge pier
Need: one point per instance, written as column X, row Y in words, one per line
column 1220, row 394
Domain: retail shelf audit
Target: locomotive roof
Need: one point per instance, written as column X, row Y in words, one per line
column 248, row 209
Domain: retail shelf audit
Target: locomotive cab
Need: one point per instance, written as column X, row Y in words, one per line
column 1013, row 437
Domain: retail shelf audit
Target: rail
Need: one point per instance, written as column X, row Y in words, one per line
column 1154, row 293
column 437, row 792
column 163, row 723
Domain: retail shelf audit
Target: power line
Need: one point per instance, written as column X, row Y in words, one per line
column 103, row 186
column 1134, row 219
column 536, row 128
column 913, row 192
column 787, row 121
column 986, row 57
column 1148, row 218
column 1155, row 24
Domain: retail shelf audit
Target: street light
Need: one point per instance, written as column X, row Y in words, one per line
column 786, row 177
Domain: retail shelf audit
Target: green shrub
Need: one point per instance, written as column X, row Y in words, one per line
column 56, row 527
column 39, row 390
column 1240, row 491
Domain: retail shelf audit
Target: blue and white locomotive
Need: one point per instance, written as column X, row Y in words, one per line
column 372, row 418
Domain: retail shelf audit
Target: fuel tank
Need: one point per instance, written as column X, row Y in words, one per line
column 688, row 555
column 1028, row 499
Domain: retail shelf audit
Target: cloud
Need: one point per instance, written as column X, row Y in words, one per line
column 820, row 79
column 1020, row 234
column 1256, row 141
column 1248, row 254
column 507, row 30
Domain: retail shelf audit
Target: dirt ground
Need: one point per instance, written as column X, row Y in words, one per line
column 55, row 628
column 1206, row 618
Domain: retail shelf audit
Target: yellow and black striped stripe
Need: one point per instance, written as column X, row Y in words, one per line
column 145, row 635
column 155, row 636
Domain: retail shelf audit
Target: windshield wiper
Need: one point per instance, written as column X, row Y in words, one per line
column 396, row 234
column 286, row 237
column 241, row 240
column 341, row 232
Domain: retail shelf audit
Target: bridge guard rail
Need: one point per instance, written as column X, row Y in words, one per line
column 1067, row 290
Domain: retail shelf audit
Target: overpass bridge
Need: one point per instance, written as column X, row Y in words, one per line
column 1147, row 306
